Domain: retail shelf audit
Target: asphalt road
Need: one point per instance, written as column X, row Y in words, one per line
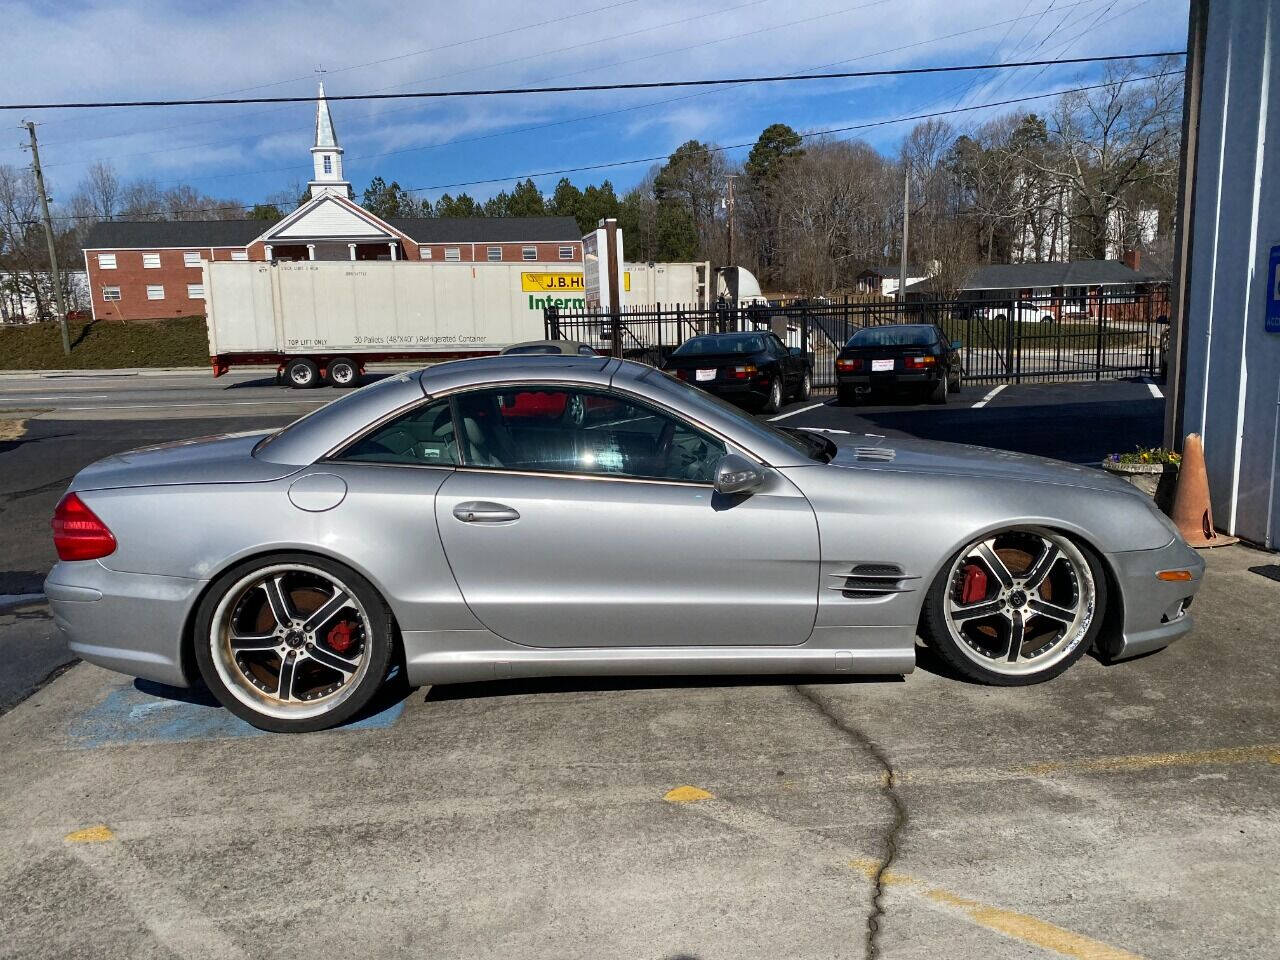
column 1120, row 811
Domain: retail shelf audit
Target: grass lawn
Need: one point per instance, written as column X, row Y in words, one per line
column 101, row 345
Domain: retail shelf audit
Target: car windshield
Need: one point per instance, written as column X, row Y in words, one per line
column 811, row 445
column 893, row 336
column 719, row 344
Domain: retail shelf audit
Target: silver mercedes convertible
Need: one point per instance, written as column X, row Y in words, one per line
column 533, row 516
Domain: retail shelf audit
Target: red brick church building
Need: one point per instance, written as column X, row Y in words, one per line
column 149, row 270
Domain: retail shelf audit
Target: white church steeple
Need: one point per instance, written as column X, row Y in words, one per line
column 326, row 155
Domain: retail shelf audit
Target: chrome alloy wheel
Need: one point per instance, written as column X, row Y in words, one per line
column 1020, row 601
column 289, row 641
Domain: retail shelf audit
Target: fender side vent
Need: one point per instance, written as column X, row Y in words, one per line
column 875, row 454
column 864, row 581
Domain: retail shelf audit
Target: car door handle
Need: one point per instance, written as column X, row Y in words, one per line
column 483, row 511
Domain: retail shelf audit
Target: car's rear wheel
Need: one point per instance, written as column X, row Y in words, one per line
column 293, row 643
column 806, row 387
column 774, row 401
column 1016, row 607
column 938, row 392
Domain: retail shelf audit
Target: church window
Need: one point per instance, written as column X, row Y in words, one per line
column 328, row 163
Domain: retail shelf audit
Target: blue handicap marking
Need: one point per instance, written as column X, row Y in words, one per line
column 1273, row 291
column 142, row 712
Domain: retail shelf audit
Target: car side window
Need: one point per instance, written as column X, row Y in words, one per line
column 569, row 430
column 424, row 437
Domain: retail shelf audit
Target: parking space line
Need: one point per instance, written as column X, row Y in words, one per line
column 1155, row 390
column 987, row 399
column 792, row 413
column 175, row 922
column 826, row 854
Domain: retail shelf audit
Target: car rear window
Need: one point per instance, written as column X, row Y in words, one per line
column 729, row 343
column 893, row 337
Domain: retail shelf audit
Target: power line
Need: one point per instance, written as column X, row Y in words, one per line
column 588, row 88
column 715, row 149
column 555, row 123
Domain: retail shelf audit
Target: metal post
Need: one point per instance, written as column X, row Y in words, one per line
column 906, row 221
column 1179, row 321
column 615, row 294
column 48, row 235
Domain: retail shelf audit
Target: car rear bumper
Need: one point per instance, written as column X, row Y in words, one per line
column 1155, row 611
column 128, row 622
column 888, row 381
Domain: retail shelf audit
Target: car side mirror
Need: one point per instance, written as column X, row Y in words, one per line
column 796, row 351
column 957, row 344
column 735, row 474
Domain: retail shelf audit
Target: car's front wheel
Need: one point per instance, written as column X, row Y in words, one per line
column 293, row 643
column 1016, row 607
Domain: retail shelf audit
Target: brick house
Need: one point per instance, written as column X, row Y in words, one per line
column 149, row 270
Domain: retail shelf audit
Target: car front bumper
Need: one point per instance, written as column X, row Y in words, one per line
column 128, row 622
column 1155, row 611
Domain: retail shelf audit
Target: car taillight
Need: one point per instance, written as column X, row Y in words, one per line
column 680, row 374
column 849, row 365
column 78, row 534
column 919, row 363
column 743, row 372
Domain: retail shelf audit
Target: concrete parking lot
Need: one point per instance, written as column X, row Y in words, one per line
column 1121, row 810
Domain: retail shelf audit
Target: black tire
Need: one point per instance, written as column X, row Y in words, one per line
column 938, row 636
column 938, row 393
column 342, row 372
column 806, row 387
column 774, row 402
column 379, row 644
column 302, row 373
column 957, row 384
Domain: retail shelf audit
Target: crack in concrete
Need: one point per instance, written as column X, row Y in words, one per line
column 889, row 786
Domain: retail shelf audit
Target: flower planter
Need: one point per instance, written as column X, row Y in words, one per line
column 1156, row 480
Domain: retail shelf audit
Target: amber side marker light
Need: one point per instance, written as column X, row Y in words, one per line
column 1174, row 575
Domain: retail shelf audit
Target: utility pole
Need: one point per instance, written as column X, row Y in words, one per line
column 906, row 221
column 48, row 235
column 728, row 203
column 1179, row 320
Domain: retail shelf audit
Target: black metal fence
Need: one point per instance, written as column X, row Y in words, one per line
column 1093, row 336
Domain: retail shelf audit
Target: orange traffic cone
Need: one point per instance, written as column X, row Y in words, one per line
column 1191, row 510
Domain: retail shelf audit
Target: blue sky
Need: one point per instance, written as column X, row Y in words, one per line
column 86, row 50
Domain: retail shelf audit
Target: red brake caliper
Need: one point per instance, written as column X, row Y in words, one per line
column 340, row 637
column 974, row 586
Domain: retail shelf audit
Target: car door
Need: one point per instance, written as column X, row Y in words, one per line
column 786, row 362
column 599, row 527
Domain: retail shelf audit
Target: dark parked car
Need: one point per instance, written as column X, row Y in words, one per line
column 755, row 369
column 899, row 356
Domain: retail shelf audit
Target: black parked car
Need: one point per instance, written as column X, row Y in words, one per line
column 755, row 369
column 899, row 356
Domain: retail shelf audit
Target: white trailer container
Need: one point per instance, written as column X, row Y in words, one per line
column 326, row 319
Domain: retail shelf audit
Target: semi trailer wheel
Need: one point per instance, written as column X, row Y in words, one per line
column 301, row 373
column 342, row 372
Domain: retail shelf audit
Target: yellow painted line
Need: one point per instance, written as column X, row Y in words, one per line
column 1262, row 753
column 99, row 834
column 1038, row 933
column 1009, row 923
column 687, row 794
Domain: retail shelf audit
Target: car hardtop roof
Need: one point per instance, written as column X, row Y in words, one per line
column 508, row 366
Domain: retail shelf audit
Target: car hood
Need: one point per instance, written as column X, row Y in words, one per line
column 957, row 459
column 220, row 459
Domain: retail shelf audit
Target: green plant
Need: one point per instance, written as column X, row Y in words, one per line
column 1148, row 455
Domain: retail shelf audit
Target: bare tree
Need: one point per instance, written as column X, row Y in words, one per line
column 1111, row 142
